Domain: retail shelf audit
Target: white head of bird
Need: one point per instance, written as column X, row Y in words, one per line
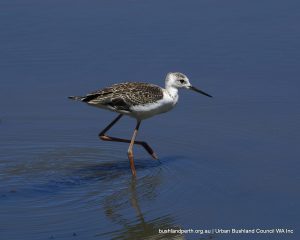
column 176, row 80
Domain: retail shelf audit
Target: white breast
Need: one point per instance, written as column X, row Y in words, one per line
column 161, row 106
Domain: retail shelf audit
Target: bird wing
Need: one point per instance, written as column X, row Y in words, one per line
column 122, row 96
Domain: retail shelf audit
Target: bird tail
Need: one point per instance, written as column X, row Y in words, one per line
column 76, row 98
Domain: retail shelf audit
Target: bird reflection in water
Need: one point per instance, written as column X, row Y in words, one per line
column 138, row 190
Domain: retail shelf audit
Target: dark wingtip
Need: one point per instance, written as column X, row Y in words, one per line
column 77, row 98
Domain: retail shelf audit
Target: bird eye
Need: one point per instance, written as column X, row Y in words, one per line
column 182, row 81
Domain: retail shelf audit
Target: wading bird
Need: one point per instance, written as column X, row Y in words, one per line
column 140, row 101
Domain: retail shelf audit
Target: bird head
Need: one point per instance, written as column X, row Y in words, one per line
column 180, row 80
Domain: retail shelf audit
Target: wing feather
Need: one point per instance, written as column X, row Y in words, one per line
column 124, row 95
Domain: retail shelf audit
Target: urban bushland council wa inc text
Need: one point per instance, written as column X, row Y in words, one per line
column 228, row 231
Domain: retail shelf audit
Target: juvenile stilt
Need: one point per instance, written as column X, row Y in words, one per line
column 138, row 100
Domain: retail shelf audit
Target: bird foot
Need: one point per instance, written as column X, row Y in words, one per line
column 154, row 156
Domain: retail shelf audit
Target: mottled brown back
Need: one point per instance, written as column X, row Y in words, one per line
column 124, row 95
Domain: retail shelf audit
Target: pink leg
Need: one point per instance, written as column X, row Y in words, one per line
column 105, row 137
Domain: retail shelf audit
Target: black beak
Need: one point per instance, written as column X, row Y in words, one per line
column 199, row 91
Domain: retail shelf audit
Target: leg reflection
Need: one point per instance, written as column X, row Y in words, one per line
column 133, row 224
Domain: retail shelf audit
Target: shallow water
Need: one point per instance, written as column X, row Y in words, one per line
column 227, row 162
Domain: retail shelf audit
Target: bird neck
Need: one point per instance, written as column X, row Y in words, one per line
column 173, row 91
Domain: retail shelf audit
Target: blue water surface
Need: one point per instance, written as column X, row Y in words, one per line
column 227, row 162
